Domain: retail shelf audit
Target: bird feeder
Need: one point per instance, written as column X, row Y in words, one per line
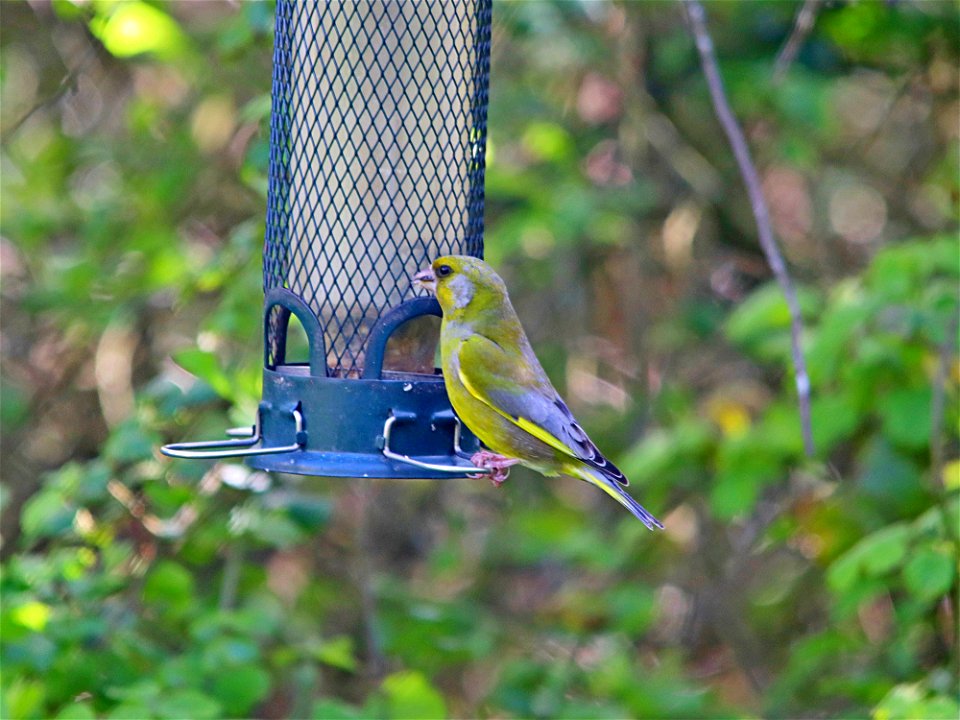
column 377, row 143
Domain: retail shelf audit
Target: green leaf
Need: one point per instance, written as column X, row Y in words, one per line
column 337, row 652
column 898, row 271
column 663, row 451
column 765, row 310
column 130, row 711
column 633, row 609
column 410, row 695
column 144, row 692
column 169, row 585
column 76, row 711
column 15, row 410
column 873, row 555
column 890, row 478
column 951, row 475
column 330, row 709
column 23, row 698
column 941, row 707
column 67, row 10
column 187, row 703
column 906, row 416
column 848, row 311
column 929, row 573
column 276, row 529
column 206, row 366
column 239, row 688
column 547, row 141
column 733, row 496
column 261, row 616
column 180, row 671
column 31, row 615
column 912, row 700
column 764, row 317
column 130, row 442
column 844, row 572
column 46, row 514
column 834, row 418
column 225, row 652
column 884, row 549
column 902, row 701
column 256, row 109
column 744, row 466
column 135, row 27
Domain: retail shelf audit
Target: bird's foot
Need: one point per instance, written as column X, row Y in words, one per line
column 499, row 465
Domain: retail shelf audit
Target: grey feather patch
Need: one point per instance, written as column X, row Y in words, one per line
column 462, row 289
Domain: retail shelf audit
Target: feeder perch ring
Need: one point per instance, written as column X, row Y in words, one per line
column 221, row 449
column 435, row 467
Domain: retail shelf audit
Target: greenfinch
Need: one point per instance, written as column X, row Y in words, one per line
column 499, row 390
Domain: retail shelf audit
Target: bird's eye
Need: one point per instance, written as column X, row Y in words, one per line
column 444, row 270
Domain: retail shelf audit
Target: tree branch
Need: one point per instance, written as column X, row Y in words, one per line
column 801, row 28
column 363, row 497
column 67, row 84
column 751, row 179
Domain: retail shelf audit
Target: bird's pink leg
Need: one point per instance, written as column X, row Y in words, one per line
column 499, row 464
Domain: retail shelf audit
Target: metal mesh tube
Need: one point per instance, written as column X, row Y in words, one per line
column 377, row 141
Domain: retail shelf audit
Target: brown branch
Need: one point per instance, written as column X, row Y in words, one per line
column 363, row 496
column 801, row 28
column 232, row 568
column 751, row 179
column 721, row 569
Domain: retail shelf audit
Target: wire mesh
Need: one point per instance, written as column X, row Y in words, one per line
column 377, row 143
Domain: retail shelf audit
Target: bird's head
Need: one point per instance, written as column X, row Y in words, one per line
column 461, row 281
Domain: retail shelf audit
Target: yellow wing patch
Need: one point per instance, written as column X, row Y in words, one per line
column 521, row 422
column 541, row 434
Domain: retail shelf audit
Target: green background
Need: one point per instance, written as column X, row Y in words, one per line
column 134, row 163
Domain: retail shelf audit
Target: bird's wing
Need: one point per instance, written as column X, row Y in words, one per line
column 515, row 386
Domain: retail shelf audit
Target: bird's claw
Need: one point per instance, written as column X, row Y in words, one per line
column 499, row 465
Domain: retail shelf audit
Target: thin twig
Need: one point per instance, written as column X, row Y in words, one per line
column 751, row 179
column 861, row 147
column 67, row 84
column 363, row 496
column 801, row 28
column 721, row 597
column 232, row 567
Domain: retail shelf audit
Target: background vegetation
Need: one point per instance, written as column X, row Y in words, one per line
column 134, row 153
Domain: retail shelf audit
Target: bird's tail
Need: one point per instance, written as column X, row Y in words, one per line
column 614, row 490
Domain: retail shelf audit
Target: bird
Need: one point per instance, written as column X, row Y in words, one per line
column 498, row 388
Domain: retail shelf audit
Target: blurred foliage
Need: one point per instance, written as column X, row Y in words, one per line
column 134, row 155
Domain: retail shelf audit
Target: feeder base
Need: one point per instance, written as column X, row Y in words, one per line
column 400, row 426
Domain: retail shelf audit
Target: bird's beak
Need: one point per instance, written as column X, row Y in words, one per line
column 426, row 280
